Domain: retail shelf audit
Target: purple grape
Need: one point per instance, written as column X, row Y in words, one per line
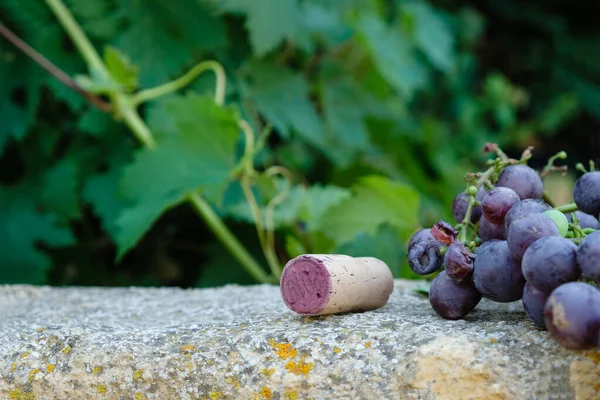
column 585, row 220
column 527, row 206
column 527, row 229
column 451, row 300
column 461, row 203
column 497, row 202
column 424, row 253
column 586, row 193
column 588, row 256
column 443, row 232
column 458, row 262
column 489, row 231
column 550, row 262
column 497, row 273
column 522, row 179
column 534, row 301
column 572, row 315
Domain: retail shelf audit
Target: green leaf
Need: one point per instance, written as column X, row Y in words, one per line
column 96, row 122
column 307, row 205
column 96, row 17
column 163, row 38
column 282, row 97
column 376, row 200
column 433, row 34
column 60, row 192
column 393, row 54
column 345, row 113
column 21, row 79
column 15, row 117
column 23, row 229
column 319, row 200
column 102, row 192
column 269, row 22
column 294, row 247
column 384, row 245
column 137, row 219
column 199, row 155
column 121, row 68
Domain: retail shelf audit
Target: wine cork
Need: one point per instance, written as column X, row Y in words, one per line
column 320, row 284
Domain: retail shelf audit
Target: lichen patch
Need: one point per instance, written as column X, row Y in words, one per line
column 299, row 368
column 584, row 376
column 266, row 393
column 283, row 350
column 267, row 372
column 449, row 378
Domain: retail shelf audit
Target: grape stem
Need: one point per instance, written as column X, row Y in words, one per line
column 53, row 69
column 567, row 208
column 546, row 197
column 472, row 198
column 561, row 155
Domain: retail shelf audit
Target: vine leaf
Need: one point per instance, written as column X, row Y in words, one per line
column 269, row 22
column 433, row 34
column 162, row 37
column 23, row 230
column 376, row 200
column 306, row 205
column 283, row 98
column 198, row 154
column 121, row 68
column 393, row 54
column 60, row 192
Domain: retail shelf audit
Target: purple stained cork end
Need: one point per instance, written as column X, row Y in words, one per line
column 305, row 285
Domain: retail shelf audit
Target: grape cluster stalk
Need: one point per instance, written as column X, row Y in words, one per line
column 510, row 243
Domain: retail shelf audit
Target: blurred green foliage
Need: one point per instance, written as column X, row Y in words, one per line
column 378, row 108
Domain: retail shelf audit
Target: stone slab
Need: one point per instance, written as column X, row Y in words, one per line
column 239, row 342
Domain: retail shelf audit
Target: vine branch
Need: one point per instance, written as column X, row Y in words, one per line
column 52, row 69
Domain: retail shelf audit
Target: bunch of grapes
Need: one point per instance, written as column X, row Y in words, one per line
column 510, row 243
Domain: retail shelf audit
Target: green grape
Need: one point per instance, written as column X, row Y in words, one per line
column 560, row 220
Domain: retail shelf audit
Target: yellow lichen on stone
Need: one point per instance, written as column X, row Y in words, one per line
column 493, row 340
column 299, row 368
column 139, row 396
column 137, row 374
column 584, row 376
column 67, row 349
column 268, row 372
column 101, row 389
column 187, row 348
column 190, row 366
column 40, row 330
column 234, row 381
column 285, row 351
column 337, row 350
column 451, row 369
column 215, row 395
column 16, row 394
column 25, row 354
column 49, row 368
column 266, row 393
column 13, row 366
column 96, row 370
column 367, row 345
column 293, row 395
column 33, row 372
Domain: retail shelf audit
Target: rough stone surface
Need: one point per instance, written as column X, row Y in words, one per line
column 243, row 343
